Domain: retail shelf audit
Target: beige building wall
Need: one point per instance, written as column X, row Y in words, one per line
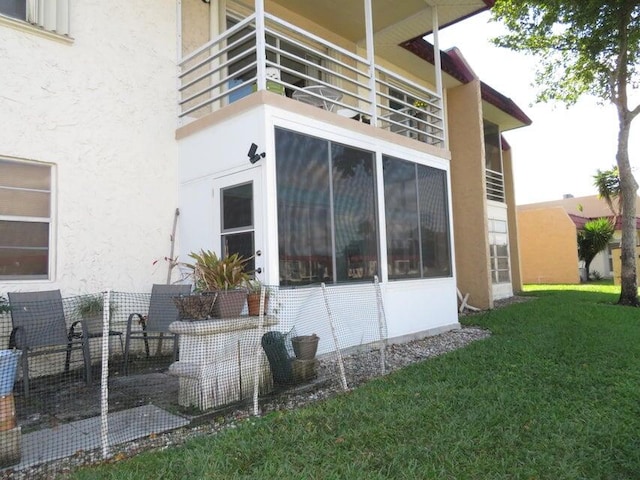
column 468, row 191
column 548, row 249
column 512, row 217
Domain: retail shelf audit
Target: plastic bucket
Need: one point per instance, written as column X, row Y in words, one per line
column 8, row 366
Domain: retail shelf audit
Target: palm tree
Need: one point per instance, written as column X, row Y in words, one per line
column 608, row 184
column 593, row 239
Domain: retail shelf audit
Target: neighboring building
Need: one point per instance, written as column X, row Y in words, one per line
column 548, row 239
column 372, row 152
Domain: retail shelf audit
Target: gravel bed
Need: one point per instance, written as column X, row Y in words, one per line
column 359, row 368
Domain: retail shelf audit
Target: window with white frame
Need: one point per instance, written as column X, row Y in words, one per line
column 49, row 15
column 25, row 220
column 499, row 251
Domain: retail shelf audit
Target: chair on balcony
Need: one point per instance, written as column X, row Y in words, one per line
column 39, row 326
column 155, row 325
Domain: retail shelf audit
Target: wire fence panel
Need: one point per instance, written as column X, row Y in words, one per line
column 91, row 373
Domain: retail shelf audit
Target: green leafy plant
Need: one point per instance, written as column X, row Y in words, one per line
column 254, row 286
column 4, row 305
column 212, row 273
column 92, row 305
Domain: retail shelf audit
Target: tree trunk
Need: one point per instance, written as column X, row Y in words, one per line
column 628, row 189
column 586, row 270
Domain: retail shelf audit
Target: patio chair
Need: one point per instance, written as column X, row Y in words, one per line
column 155, row 325
column 39, row 323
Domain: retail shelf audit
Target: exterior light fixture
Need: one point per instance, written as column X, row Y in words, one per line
column 253, row 156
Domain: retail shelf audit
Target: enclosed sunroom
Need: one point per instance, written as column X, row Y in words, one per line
column 314, row 143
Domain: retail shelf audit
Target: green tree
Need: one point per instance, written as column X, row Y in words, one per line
column 593, row 239
column 586, row 47
column 607, row 183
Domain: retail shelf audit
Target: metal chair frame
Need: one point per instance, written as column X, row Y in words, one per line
column 39, row 321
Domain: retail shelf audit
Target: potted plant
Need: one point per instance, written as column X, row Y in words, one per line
column 4, row 305
column 91, row 308
column 254, row 289
column 224, row 276
column 195, row 307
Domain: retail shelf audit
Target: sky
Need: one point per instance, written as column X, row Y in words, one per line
column 560, row 152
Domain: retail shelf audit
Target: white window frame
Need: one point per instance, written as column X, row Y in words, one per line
column 34, row 219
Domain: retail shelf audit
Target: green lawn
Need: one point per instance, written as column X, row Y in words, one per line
column 553, row 394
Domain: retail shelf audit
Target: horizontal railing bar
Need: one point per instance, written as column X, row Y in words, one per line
column 219, row 53
column 315, row 38
column 211, row 72
column 213, row 87
column 214, row 41
column 406, row 81
column 333, row 73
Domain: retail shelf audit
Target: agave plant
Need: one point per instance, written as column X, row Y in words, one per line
column 213, row 273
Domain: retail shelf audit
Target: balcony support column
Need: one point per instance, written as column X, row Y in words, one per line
column 261, row 46
column 438, row 65
column 371, row 58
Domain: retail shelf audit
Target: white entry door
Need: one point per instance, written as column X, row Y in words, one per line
column 238, row 200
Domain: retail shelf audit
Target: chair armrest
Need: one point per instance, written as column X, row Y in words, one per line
column 15, row 338
column 72, row 329
column 142, row 320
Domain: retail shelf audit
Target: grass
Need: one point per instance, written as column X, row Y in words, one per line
column 553, row 394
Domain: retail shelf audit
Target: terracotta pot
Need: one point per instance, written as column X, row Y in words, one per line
column 305, row 346
column 253, row 303
column 7, row 413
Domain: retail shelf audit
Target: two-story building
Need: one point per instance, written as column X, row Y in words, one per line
column 326, row 140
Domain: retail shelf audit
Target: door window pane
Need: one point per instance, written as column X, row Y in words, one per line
column 237, row 207
column 243, row 244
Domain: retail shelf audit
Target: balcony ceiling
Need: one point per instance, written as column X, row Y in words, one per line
column 394, row 21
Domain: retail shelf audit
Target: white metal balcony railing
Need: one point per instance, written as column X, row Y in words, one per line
column 231, row 65
column 495, row 185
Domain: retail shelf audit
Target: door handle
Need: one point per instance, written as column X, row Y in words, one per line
column 258, row 270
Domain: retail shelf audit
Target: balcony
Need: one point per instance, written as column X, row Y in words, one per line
column 265, row 52
column 495, row 185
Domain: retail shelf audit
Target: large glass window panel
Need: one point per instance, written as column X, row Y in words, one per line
column 354, row 202
column 304, row 209
column 417, row 220
column 434, row 222
column 401, row 208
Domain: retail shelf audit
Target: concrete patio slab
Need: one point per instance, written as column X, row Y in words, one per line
column 66, row 439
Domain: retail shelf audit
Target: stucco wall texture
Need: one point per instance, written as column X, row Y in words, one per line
column 102, row 111
column 548, row 252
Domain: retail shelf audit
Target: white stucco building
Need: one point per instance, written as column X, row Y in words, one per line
column 117, row 113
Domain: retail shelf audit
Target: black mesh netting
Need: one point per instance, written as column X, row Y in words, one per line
column 90, row 372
